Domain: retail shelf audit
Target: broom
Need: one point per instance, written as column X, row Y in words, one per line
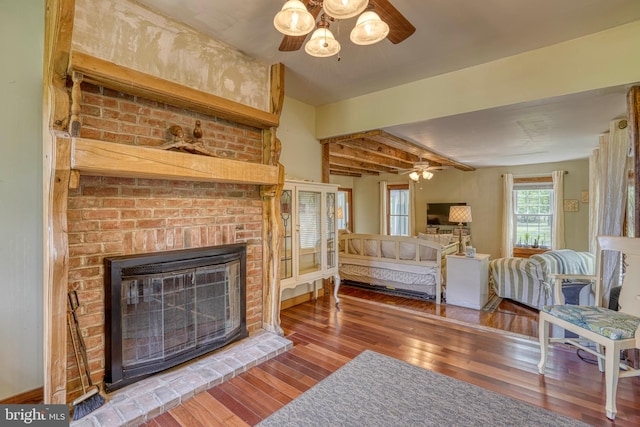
column 91, row 399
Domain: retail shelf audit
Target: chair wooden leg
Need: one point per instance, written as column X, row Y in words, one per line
column 600, row 350
column 543, row 333
column 611, row 373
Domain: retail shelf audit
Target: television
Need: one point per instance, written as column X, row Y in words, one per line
column 438, row 213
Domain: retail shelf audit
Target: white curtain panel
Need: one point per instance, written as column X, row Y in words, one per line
column 412, row 209
column 594, row 199
column 507, row 215
column 383, row 207
column 613, row 194
column 557, row 231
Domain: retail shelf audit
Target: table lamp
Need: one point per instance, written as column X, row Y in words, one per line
column 460, row 214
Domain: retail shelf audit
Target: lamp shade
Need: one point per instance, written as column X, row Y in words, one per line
column 294, row 19
column 369, row 29
column 460, row 214
column 344, row 9
column 322, row 43
column 414, row 176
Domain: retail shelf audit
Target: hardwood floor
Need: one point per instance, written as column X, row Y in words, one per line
column 420, row 333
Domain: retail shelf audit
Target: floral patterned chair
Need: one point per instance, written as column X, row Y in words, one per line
column 612, row 331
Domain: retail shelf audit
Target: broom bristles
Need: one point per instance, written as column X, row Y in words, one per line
column 87, row 403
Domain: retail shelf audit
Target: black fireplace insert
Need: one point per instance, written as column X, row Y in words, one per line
column 166, row 308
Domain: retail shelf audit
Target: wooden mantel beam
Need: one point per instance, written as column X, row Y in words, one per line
column 118, row 77
column 100, row 158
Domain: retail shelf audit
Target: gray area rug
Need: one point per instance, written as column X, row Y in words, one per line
column 377, row 390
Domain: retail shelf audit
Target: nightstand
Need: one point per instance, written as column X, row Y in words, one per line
column 468, row 280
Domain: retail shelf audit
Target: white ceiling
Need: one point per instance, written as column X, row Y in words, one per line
column 450, row 35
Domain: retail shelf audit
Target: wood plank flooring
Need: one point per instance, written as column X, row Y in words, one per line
column 420, row 333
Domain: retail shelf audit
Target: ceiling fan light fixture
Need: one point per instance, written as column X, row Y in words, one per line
column 427, row 175
column 414, row 176
column 322, row 43
column 344, row 9
column 369, row 29
column 294, row 19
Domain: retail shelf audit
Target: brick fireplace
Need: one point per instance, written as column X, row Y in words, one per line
column 110, row 216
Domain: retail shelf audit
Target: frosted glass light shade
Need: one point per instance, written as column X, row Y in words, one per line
column 344, row 9
column 427, row 175
column 322, row 43
column 414, row 176
column 294, row 19
column 369, row 29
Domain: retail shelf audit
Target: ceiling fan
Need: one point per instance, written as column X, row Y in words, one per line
column 399, row 28
column 424, row 170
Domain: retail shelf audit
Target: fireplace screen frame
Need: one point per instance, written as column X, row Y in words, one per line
column 121, row 268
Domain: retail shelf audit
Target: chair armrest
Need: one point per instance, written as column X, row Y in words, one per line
column 585, row 277
column 556, row 279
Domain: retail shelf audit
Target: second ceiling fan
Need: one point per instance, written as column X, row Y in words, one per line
column 424, row 170
column 378, row 19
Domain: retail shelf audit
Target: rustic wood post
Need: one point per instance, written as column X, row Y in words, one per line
column 633, row 112
column 272, row 230
column 56, row 175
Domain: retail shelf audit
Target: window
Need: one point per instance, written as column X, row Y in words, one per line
column 398, row 210
column 533, row 213
column 345, row 211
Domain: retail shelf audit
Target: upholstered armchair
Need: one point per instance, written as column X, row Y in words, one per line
column 530, row 281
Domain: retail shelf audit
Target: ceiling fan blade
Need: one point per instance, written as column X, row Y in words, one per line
column 293, row 43
column 399, row 27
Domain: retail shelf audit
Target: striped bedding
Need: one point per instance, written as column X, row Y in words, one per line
column 526, row 280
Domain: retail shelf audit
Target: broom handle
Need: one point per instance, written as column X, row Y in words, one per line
column 75, row 351
column 75, row 303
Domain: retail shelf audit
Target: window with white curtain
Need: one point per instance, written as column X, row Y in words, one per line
column 533, row 214
column 398, row 210
column 344, row 208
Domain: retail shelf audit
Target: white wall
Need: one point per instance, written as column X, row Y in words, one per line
column 565, row 68
column 21, row 46
column 482, row 190
column 301, row 152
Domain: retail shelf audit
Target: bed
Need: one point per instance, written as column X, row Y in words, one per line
column 395, row 262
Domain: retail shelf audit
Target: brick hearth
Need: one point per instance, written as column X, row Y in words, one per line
column 150, row 397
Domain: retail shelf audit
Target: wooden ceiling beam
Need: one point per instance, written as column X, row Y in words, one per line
column 354, row 164
column 390, row 140
column 381, row 150
column 349, row 170
column 347, row 152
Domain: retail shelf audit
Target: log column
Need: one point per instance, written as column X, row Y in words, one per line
column 633, row 112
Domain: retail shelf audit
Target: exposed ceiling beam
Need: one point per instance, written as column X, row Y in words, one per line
column 390, row 140
column 347, row 152
column 364, row 166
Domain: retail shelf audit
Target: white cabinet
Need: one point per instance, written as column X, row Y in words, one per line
column 468, row 280
column 309, row 247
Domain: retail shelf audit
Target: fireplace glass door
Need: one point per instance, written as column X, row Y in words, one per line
column 168, row 308
column 166, row 314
